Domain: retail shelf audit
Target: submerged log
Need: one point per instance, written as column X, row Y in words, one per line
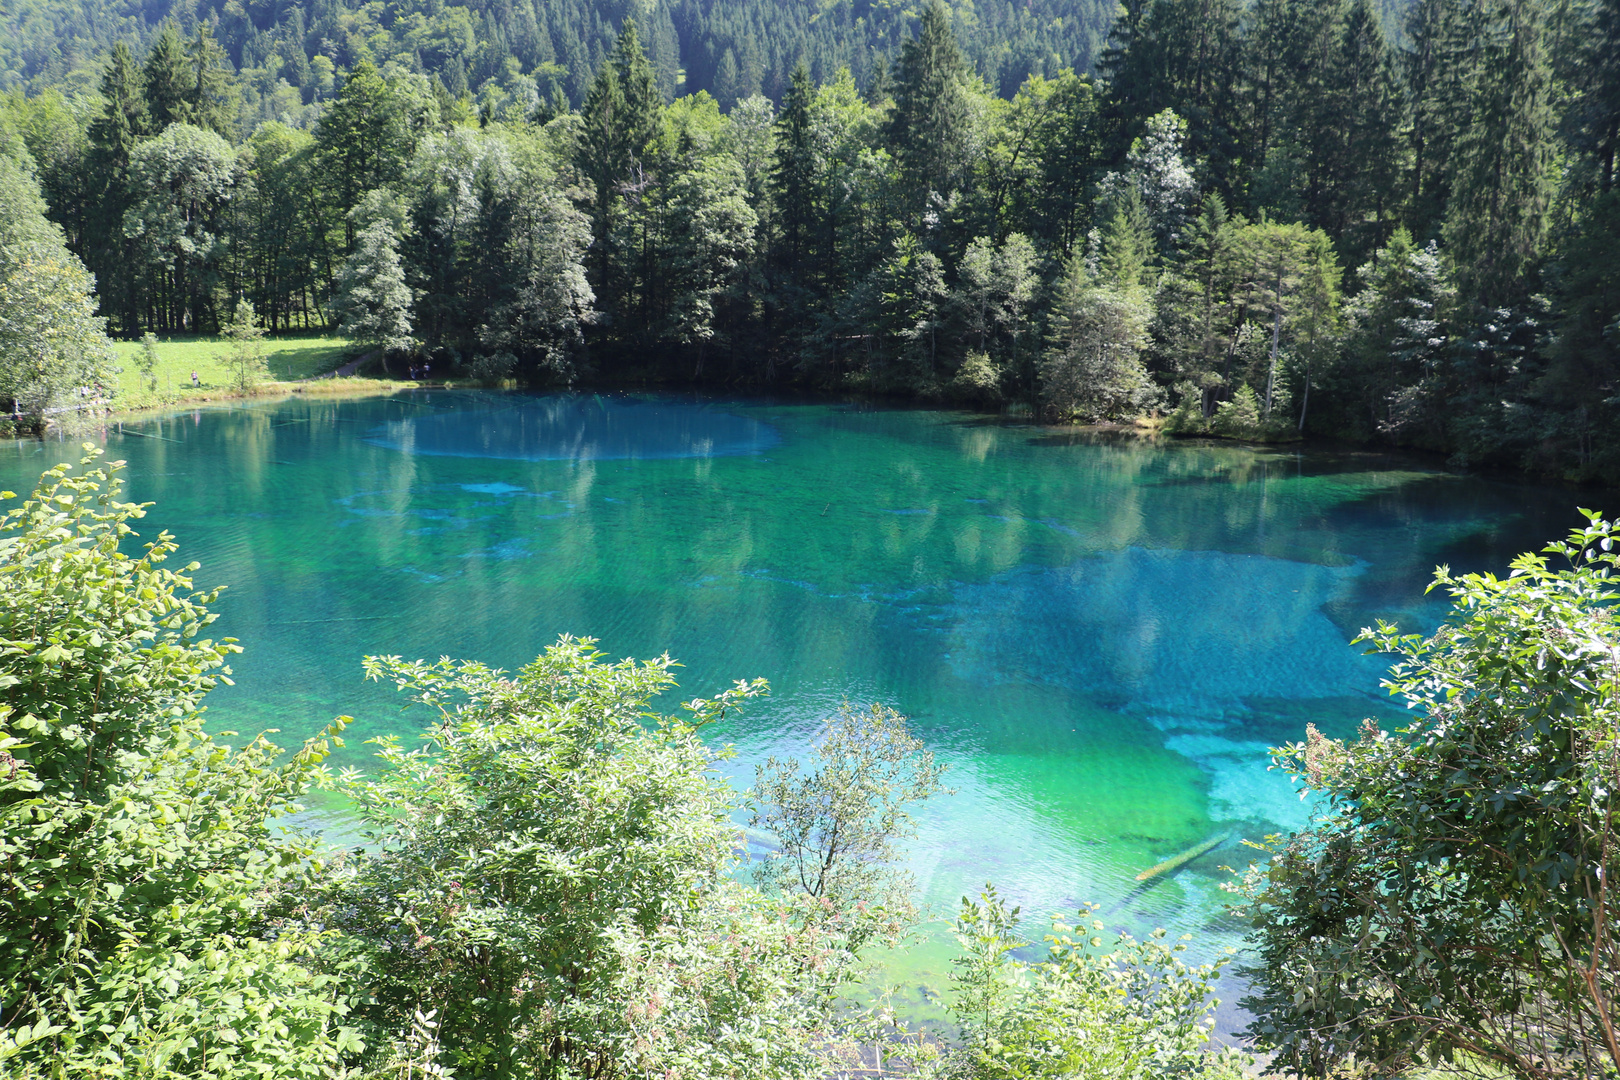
column 1175, row 862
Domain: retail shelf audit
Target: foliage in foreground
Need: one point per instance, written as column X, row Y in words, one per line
column 552, row 878
column 552, row 890
column 840, row 825
column 138, row 849
column 1120, row 1010
column 1456, row 896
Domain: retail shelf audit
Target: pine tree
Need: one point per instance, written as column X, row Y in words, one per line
column 123, row 120
column 727, row 80
column 603, row 159
column 113, row 137
column 1589, row 66
column 1354, row 188
column 1439, row 73
column 208, row 97
column 639, row 85
column 615, row 153
column 1395, row 345
column 1126, row 242
column 793, row 180
column 364, row 141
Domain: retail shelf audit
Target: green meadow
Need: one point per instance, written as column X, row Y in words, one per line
column 287, row 359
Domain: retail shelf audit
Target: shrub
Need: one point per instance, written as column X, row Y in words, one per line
column 1121, row 1010
column 552, row 877
column 1455, row 895
column 139, row 850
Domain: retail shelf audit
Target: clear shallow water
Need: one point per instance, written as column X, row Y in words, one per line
column 1101, row 635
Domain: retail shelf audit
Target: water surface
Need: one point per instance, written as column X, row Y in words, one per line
column 1101, row 635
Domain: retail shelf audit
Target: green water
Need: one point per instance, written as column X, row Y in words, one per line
column 1101, row 635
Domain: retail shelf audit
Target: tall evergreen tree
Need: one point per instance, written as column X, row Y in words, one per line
column 168, row 80
column 615, row 153
column 928, row 128
column 1593, row 74
column 793, row 179
column 208, row 97
column 124, row 119
column 365, row 140
column 1353, row 177
column 1439, row 68
column 372, row 300
column 113, row 136
column 1496, row 217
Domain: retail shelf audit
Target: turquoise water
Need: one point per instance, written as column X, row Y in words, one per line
column 1100, row 634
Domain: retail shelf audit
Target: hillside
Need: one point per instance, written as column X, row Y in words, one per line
column 287, row 53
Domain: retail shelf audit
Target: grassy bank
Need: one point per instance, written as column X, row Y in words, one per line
column 288, row 359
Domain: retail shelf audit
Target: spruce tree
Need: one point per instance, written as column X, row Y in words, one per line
column 639, row 85
column 620, row 120
column 168, row 80
column 124, row 119
column 1496, row 217
column 1357, row 185
column 209, row 97
column 113, row 136
column 928, row 129
column 793, row 180
column 1439, row 73
column 364, row 141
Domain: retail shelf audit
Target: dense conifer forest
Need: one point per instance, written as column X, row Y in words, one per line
column 1264, row 220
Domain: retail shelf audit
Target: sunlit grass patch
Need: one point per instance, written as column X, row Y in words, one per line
column 287, row 358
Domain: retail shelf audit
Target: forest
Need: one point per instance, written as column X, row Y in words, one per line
column 1256, row 221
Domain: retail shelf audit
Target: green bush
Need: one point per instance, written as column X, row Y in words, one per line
column 138, row 849
column 1094, row 1010
column 1456, row 894
column 551, row 876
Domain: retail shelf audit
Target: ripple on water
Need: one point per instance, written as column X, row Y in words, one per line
column 575, row 427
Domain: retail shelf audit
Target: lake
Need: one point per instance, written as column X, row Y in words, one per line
column 1101, row 634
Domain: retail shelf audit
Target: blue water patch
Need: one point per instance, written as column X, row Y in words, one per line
column 1179, row 636
column 576, row 427
column 496, row 488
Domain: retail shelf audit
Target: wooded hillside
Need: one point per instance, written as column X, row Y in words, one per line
column 287, row 53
